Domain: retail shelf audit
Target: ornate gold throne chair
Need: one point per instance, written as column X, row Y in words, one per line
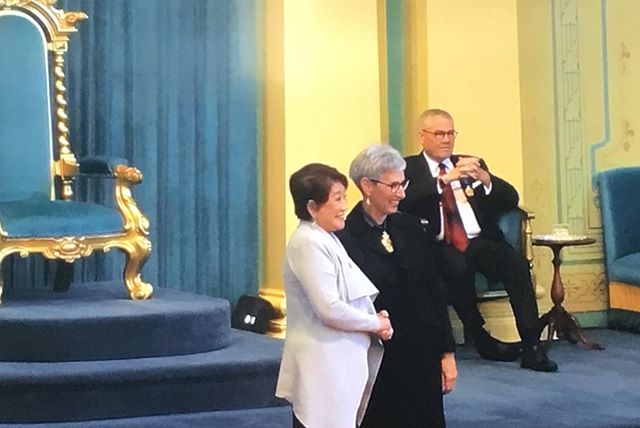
column 37, row 166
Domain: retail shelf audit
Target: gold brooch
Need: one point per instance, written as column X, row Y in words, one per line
column 386, row 242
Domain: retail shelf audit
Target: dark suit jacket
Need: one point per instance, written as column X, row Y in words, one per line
column 423, row 198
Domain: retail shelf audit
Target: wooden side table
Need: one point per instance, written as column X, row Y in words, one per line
column 558, row 320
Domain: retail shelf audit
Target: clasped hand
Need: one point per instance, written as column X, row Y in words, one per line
column 468, row 167
column 385, row 330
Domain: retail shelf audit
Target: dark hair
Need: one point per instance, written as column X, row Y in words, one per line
column 313, row 183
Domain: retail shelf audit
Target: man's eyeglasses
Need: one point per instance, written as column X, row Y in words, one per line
column 395, row 187
column 441, row 134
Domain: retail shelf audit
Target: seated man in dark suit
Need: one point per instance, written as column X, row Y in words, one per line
column 461, row 201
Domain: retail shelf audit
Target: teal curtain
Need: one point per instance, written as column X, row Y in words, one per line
column 172, row 86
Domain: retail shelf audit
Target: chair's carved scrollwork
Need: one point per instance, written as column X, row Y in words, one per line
column 69, row 249
column 57, row 22
column 67, row 165
column 128, row 173
column 22, row 3
column 93, row 228
column 127, row 176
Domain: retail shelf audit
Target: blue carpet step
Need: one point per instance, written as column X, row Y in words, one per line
column 97, row 321
column 266, row 417
column 92, row 357
column 240, row 376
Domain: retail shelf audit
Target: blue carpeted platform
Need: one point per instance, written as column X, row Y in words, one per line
column 233, row 382
column 98, row 322
column 268, row 417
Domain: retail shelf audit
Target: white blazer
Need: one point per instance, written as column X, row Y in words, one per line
column 331, row 358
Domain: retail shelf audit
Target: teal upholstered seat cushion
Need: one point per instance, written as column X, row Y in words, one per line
column 43, row 218
column 626, row 269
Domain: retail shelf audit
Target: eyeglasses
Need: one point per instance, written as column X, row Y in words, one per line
column 441, row 134
column 395, row 187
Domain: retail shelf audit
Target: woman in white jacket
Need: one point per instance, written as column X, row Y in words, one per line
column 332, row 351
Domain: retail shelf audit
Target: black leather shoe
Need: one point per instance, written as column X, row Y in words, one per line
column 535, row 358
column 493, row 349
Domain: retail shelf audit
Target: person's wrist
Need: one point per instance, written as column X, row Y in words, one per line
column 485, row 178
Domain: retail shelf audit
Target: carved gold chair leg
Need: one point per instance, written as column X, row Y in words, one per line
column 136, row 257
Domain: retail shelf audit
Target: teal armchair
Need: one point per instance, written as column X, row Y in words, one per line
column 619, row 191
column 37, row 166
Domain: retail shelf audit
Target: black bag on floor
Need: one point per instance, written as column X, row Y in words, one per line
column 252, row 313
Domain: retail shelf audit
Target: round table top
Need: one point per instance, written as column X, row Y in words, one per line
column 561, row 240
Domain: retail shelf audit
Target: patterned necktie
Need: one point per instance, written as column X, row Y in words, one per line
column 454, row 233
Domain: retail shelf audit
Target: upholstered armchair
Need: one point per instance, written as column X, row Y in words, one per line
column 619, row 191
column 491, row 294
column 516, row 227
column 37, row 166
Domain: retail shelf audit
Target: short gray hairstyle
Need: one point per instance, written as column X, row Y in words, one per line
column 374, row 161
column 431, row 113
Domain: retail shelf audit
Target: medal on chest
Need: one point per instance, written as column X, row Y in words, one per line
column 469, row 191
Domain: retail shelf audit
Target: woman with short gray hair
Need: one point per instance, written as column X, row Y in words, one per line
column 393, row 250
column 375, row 160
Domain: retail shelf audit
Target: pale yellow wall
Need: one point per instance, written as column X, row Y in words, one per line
column 331, row 85
column 538, row 129
column 473, row 72
column 623, row 36
column 321, row 104
column 273, row 149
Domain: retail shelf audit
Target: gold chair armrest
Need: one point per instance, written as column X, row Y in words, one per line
column 67, row 169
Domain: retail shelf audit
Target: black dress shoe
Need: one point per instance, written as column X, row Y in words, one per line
column 535, row 358
column 493, row 349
